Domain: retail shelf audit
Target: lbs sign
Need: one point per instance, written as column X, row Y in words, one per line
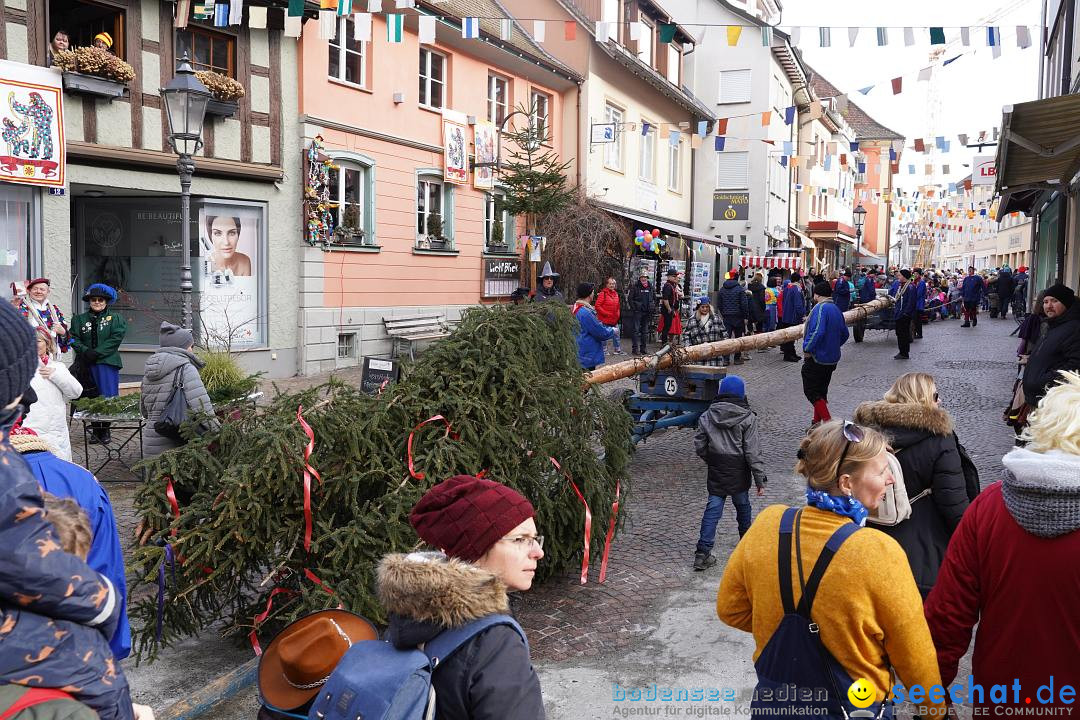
column 983, row 170
column 731, row 206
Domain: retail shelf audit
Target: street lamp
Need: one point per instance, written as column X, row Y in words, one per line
column 185, row 101
column 860, row 218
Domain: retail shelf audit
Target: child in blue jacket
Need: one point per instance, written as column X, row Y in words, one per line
column 592, row 334
column 825, row 332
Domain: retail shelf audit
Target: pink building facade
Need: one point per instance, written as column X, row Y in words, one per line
column 382, row 112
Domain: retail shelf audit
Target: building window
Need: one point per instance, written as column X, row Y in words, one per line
column 351, row 189
column 734, row 86
column 647, row 159
column 674, row 167
column 493, row 217
column 613, row 150
column 84, row 20
column 207, row 49
column 645, row 44
column 498, row 97
column 16, row 231
column 432, row 78
column 540, row 115
column 346, row 345
column 348, row 57
column 674, row 64
column 732, row 170
column 434, row 198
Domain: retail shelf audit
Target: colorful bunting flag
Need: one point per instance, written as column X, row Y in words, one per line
column 919, row 146
column 702, row 128
column 426, row 28
column 892, row 155
column 506, row 28
column 293, row 25
column 796, row 35
column 897, row 85
column 993, row 37
column 852, row 36
column 789, row 147
column 721, row 126
column 695, row 142
column 605, row 31
column 404, row 4
column 570, row 31
column 789, row 114
column 296, row 8
column 909, row 37
column 766, row 118
column 882, row 36
column 373, row 6
column 825, row 36
column 925, row 73
column 1023, row 37
column 257, row 17
column 734, row 32
column 470, row 28
column 766, row 36
column 965, row 36
column 828, row 162
column 783, row 161
column 344, row 7
column 815, row 109
column 718, row 143
column 221, row 15
column 673, row 138
column 939, row 142
column 327, row 4
column 183, row 12
column 853, row 146
column 866, row 89
column 911, row 169
column 236, row 12
column 841, row 103
column 944, row 169
column 327, row 24
column 635, row 31
column 667, row 32
column 963, row 138
column 937, row 36
column 539, row 30
column 395, row 27
column 361, row 27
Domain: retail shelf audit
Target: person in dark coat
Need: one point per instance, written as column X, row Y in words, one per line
column 923, row 439
column 972, row 290
column 1059, row 348
column 1005, row 287
column 757, row 304
column 920, row 304
column 733, row 304
column 641, row 299
column 727, row 440
column 670, row 300
column 793, row 311
column 488, row 537
column 903, row 312
column 1012, row 569
column 56, row 613
column 842, row 291
column 96, row 336
column 547, row 289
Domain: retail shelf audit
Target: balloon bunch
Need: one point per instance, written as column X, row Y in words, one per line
column 649, row 242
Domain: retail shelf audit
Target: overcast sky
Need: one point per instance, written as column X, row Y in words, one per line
column 970, row 92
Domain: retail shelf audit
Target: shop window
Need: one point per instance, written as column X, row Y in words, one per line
column 16, row 229
column 434, row 198
column 540, row 115
column 207, row 49
column 494, row 242
column 498, row 98
column 352, row 188
column 348, row 56
column 83, row 20
column 432, row 79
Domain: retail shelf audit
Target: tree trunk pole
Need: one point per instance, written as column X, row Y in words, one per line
column 707, row 351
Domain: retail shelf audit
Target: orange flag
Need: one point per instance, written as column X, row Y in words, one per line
column 570, row 29
column 766, row 117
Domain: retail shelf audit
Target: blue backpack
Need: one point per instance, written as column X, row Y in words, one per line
column 795, row 666
column 377, row 681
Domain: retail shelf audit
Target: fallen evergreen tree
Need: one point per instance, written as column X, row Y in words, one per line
column 507, row 382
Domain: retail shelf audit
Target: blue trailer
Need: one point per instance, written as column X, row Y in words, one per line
column 669, row 398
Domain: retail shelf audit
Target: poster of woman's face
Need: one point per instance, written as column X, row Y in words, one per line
column 223, row 234
column 229, row 265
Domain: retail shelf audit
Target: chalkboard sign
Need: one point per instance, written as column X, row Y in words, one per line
column 378, row 373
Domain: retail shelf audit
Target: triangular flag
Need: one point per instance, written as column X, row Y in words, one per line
column 951, row 60
column 361, row 26
column 645, row 128
column 667, row 32
column 766, row 118
column 373, row 6
column 766, row 36
column 506, row 28
column 539, row 30
column 897, row 85
column 470, row 28
column 852, row 36
column 866, row 89
column 909, row 37
column 570, row 31
column 882, row 36
column 789, row 114
column 718, row 143
column 257, row 17
column 825, row 36
column 721, row 126
column 734, row 32
column 635, row 31
column 783, row 161
column 924, row 74
column 395, row 26
column 937, row 36
column 427, row 29
column 293, row 24
column 963, row 138
column 1023, row 37
column 236, row 12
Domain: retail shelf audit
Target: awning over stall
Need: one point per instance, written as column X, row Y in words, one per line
column 769, row 262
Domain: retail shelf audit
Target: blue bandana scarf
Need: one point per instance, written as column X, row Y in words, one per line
column 843, row 505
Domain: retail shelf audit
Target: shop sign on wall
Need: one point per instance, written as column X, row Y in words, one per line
column 501, row 276
column 731, row 206
column 31, row 125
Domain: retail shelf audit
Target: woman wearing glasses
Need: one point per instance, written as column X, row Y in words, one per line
column 923, row 439
column 489, row 545
column 864, row 613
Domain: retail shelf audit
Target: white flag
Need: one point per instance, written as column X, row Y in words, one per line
column 852, row 35
column 924, row 74
column 635, row 31
column 1023, row 37
column 362, row 27
column 427, row 29
column 257, row 17
column 603, row 31
column 539, row 29
column 293, row 25
column 841, row 103
column 796, row 35
column 909, row 37
column 403, row 4
column 506, row 27
column 327, row 24
column 374, row 6
column 965, row 36
column 236, row 12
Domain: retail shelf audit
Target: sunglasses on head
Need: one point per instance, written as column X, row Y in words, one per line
column 852, row 434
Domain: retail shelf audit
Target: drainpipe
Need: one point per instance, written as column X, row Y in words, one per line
column 1042, row 54
column 581, row 135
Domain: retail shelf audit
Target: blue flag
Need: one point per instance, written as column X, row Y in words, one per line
column 789, row 115
column 719, row 143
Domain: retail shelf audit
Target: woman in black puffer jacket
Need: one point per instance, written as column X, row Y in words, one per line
column 922, row 437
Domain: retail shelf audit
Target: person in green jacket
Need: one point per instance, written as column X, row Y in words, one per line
column 96, row 338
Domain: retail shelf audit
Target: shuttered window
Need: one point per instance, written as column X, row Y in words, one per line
column 734, row 86
column 732, row 170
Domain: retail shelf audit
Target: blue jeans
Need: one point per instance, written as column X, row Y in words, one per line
column 615, row 338
column 770, row 318
column 714, row 510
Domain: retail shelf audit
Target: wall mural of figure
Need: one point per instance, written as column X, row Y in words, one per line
column 40, row 117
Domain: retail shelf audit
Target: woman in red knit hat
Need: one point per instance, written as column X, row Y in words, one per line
column 488, row 542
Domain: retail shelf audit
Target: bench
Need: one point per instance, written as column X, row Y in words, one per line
column 411, row 329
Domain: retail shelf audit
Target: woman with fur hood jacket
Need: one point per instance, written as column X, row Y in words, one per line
column 489, row 543
column 922, row 438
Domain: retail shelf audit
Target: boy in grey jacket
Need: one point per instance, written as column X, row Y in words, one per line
column 727, row 440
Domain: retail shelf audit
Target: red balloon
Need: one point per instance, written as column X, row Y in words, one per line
column 655, row 233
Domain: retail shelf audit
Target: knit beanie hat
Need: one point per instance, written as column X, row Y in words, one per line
column 906, row 274
column 174, row 336
column 1062, row 293
column 465, row 515
column 823, row 289
column 18, row 354
column 732, row 385
column 584, row 290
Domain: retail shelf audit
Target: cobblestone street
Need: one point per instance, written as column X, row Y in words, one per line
column 653, row 620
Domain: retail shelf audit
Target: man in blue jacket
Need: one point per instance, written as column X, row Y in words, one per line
column 592, row 334
column 972, row 291
column 842, row 291
column 867, row 291
column 826, row 331
column 920, row 304
column 902, row 312
column 794, row 310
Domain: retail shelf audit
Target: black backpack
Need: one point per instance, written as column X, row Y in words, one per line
column 176, row 409
column 795, row 668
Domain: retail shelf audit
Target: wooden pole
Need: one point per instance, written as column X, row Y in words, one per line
column 706, row 351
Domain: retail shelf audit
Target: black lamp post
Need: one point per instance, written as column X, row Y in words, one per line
column 860, row 218
column 185, row 99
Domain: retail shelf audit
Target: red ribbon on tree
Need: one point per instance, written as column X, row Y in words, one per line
column 412, row 470
column 610, row 534
column 170, row 494
column 309, row 472
column 588, row 521
column 253, row 637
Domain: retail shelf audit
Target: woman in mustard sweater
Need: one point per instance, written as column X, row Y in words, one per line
column 865, row 613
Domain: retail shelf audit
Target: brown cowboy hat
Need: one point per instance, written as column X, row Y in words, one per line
column 300, row 659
